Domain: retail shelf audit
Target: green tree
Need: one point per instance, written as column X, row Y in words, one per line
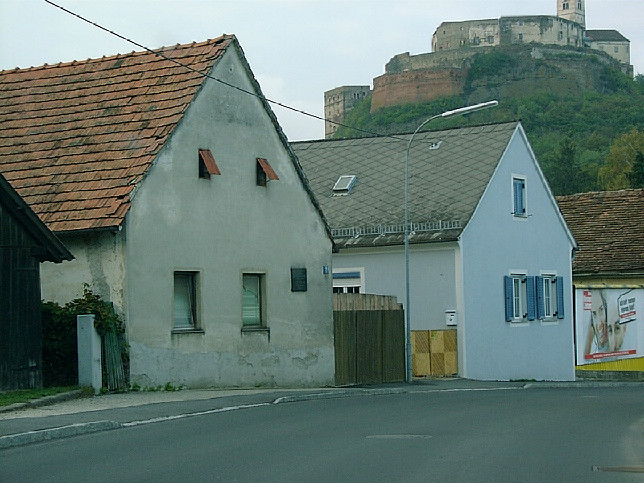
column 615, row 173
column 636, row 176
column 564, row 172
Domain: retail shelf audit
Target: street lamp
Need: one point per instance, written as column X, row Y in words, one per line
column 455, row 112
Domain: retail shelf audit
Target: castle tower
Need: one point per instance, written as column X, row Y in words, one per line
column 573, row 10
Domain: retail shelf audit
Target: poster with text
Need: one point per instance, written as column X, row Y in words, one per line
column 608, row 324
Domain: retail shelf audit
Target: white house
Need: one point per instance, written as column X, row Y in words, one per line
column 487, row 241
column 168, row 177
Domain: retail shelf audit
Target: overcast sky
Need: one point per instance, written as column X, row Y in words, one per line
column 297, row 49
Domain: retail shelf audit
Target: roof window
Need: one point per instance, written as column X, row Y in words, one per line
column 265, row 172
column 207, row 165
column 344, row 184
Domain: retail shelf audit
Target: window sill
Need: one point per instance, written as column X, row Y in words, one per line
column 188, row 330
column 519, row 323
column 255, row 328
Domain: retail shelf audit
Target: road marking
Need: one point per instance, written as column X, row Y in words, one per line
column 399, row 436
column 620, row 469
column 187, row 415
column 468, row 389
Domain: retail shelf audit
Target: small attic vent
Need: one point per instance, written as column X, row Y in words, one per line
column 435, row 145
column 343, row 185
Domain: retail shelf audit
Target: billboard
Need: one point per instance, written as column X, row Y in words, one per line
column 609, row 324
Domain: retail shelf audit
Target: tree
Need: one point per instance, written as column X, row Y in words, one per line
column 565, row 175
column 636, row 176
column 615, row 173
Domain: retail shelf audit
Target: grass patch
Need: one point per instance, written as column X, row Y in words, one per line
column 25, row 395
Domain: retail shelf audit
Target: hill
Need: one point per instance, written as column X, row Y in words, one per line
column 582, row 116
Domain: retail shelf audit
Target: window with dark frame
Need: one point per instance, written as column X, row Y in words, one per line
column 264, row 172
column 252, row 300
column 207, row 164
column 185, row 300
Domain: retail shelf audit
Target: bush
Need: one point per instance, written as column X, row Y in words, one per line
column 60, row 350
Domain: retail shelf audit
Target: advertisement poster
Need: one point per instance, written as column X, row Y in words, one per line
column 608, row 324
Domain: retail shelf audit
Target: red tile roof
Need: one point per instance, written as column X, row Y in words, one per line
column 77, row 137
column 609, row 229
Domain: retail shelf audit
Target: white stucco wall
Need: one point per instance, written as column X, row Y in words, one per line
column 221, row 228
column 431, row 278
column 99, row 262
column 494, row 243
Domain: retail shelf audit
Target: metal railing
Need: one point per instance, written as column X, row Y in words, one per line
column 357, row 231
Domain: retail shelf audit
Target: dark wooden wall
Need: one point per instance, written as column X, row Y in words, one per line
column 20, row 310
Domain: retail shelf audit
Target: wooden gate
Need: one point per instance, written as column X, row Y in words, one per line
column 369, row 334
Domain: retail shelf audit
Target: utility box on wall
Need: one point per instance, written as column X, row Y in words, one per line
column 450, row 317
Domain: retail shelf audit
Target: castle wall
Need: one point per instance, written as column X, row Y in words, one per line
column 338, row 102
column 416, row 86
column 507, row 30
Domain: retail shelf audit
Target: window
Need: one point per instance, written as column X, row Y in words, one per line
column 344, row 184
column 519, row 196
column 520, row 298
column 566, row 5
column 264, row 172
column 550, row 297
column 528, row 297
column 207, row 165
column 348, row 280
column 185, row 300
column 520, row 36
column 253, row 300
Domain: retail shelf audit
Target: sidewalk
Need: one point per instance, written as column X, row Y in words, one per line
column 63, row 418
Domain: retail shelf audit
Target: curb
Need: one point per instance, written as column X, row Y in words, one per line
column 30, row 437
column 43, row 401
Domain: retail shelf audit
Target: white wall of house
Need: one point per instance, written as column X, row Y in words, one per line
column 221, row 228
column 431, row 278
column 496, row 243
column 99, row 262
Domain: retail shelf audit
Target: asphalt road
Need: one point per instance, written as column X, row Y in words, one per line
column 494, row 434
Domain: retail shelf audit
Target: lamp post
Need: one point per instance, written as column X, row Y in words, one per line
column 455, row 112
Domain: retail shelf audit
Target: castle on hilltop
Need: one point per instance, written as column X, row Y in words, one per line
column 424, row 77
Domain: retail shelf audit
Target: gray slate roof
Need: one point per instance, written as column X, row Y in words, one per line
column 445, row 184
column 605, row 36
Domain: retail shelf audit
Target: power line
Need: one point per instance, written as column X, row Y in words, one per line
column 240, row 89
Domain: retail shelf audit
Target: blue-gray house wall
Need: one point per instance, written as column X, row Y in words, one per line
column 432, row 276
column 496, row 243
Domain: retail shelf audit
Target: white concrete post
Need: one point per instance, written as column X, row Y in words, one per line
column 89, row 353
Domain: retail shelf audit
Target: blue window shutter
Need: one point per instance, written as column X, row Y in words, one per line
column 509, row 303
column 518, row 188
column 541, row 309
column 560, row 298
column 531, row 297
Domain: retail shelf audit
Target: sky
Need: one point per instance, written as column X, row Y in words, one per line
column 297, row 49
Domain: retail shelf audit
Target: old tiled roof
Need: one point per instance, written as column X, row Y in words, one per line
column 605, row 36
column 449, row 170
column 609, row 229
column 76, row 138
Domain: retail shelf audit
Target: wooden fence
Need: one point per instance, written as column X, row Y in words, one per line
column 369, row 334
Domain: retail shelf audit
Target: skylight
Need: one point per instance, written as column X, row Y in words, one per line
column 344, row 184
